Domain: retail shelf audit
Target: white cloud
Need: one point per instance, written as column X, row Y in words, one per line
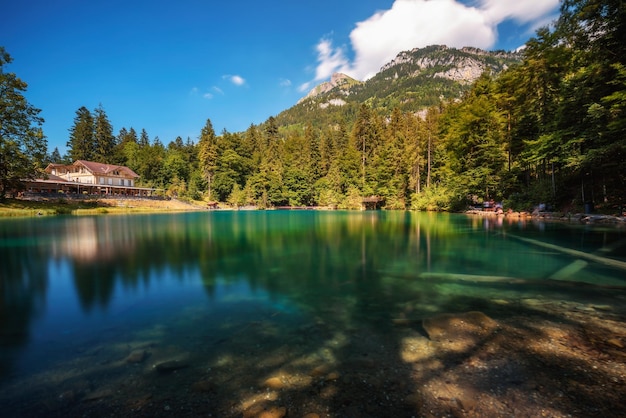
column 524, row 11
column 217, row 90
column 284, row 82
column 329, row 59
column 418, row 23
column 207, row 96
column 235, row 79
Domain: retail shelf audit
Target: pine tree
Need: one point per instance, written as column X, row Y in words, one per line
column 81, row 145
column 55, row 157
column 103, row 136
column 207, row 154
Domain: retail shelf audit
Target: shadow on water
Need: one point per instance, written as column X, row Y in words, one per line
column 328, row 315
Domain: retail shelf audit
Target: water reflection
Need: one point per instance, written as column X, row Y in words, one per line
column 80, row 277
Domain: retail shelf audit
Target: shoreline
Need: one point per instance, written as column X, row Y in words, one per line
column 111, row 205
column 14, row 208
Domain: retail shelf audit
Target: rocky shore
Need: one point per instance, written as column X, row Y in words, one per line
column 585, row 218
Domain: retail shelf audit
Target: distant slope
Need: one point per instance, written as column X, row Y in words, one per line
column 412, row 81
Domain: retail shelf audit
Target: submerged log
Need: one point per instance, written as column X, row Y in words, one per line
column 475, row 278
column 580, row 254
column 569, row 270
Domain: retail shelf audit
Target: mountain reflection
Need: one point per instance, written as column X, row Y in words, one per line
column 23, row 286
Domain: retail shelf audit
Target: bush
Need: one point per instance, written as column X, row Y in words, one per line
column 435, row 199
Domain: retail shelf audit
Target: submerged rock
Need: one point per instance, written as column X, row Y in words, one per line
column 274, row 383
column 257, row 411
column 137, row 356
column 205, row 386
column 170, row 366
column 458, row 326
column 97, row 395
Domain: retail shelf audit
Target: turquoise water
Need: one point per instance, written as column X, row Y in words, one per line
column 238, row 295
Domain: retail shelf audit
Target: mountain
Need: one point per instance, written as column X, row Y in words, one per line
column 337, row 80
column 412, row 81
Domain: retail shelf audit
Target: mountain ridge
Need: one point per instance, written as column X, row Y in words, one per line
column 412, row 80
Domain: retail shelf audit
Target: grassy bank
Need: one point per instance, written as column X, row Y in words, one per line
column 24, row 208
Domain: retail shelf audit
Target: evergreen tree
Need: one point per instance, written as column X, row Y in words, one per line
column 55, row 157
column 475, row 143
column 81, row 145
column 144, row 139
column 364, row 137
column 103, row 136
column 207, row 154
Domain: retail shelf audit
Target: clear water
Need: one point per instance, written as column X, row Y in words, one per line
column 239, row 295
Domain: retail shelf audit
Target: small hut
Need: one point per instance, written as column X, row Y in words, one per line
column 372, row 203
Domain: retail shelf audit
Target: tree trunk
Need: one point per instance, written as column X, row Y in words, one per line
column 428, row 169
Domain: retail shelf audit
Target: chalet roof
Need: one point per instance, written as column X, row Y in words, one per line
column 101, row 168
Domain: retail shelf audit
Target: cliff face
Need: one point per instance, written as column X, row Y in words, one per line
column 463, row 65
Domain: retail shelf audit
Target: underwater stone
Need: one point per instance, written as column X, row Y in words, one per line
column 170, row 366
column 274, row 383
column 137, row 356
column 453, row 326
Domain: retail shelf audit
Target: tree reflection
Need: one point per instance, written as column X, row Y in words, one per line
column 331, row 289
column 23, row 285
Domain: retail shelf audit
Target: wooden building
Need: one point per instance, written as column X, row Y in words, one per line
column 89, row 178
column 372, row 202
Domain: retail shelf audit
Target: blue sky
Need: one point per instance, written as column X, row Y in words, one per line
column 168, row 66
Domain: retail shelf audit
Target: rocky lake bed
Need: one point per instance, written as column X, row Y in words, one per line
column 525, row 357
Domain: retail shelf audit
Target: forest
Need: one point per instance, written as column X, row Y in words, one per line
column 550, row 129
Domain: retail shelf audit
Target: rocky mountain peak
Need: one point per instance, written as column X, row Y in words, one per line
column 336, row 80
column 463, row 65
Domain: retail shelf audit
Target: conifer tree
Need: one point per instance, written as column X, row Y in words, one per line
column 207, row 154
column 103, row 136
column 81, row 145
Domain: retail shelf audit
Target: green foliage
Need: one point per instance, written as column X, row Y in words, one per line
column 435, row 198
column 22, row 142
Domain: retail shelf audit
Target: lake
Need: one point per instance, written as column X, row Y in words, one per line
column 290, row 312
